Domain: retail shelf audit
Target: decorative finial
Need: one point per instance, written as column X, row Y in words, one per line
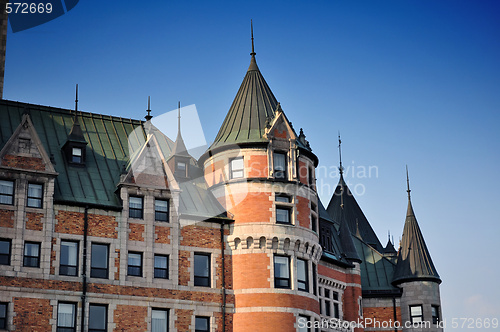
column 407, row 182
column 76, row 100
column 253, row 51
column 341, row 168
column 149, row 116
column 179, row 119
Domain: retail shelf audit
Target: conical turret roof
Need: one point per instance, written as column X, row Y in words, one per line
column 252, row 109
column 414, row 259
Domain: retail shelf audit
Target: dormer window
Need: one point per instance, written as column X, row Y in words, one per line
column 279, row 166
column 76, row 155
column 180, row 168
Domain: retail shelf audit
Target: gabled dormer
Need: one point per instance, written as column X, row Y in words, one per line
column 74, row 150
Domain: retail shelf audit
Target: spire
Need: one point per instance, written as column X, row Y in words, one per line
column 149, row 116
column 341, row 169
column 253, row 62
column 76, row 134
column 414, row 259
column 179, row 148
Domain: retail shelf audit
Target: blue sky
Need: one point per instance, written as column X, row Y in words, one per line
column 405, row 82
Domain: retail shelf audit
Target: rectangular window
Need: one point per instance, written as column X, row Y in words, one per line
column 202, row 270
column 237, row 168
column 69, row 258
column 336, row 305
column 159, row 320
column 98, row 318
column 31, row 254
column 315, row 281
column 6, row 192
column 279, row 166
column 435, row 314
column 66, row 317
column 180, row 168
column 76, row 155
column 416, row 314
column 161, row 266
column 5, row 251
column 282, row 199
column 302, row 275
column 283, row 215
column 303, row 322
column 99, row 261
column 3, row 316
column 281, row 272
column 35, row 194
column 202, row 324
column 135, row 205
column 134, row 264
column 311, row 176
column 161, row 210
column 314, row 223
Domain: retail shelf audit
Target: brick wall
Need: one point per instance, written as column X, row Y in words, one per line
column 303, row 212
column 161, row 234
column 34, row 221
column 131, row 318
column 183, row 321
column 201, row 237
column 264, row 321
column 7, row 218
column 31, row 163
column 136, row 232
column 245, row 211
column 32, row 314
column 251, row 271
column 257, row 166
column 184, row 264
column 98, row 225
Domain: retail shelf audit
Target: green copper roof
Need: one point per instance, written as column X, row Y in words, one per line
column 253, row 106
column 110, row 141
column 414, row 259
column 376, row 270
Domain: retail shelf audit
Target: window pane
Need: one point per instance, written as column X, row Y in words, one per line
column 135, row 202
column 159, row 320
column 416, row 310
column 134, row 259
column 66, row 315
column 282, row 198
column 202, row 324
column 134, row 264
column 31, row 249
column 99, row 256
column 35, row 193
column 3, row 315
column 6, row 192
column 4, row 247
column 69, row 253
column 97, row 317
column 279, row 165
column 161, row 210
column 282, row 215
column 281, row 269
column 201, row 265
column 237, row 168
column 161, row 262
column 77, row 152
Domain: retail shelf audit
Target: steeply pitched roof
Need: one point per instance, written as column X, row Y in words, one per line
column 110, row 142
column 253, row 107
column 329, row 237
column 414, row 260
column 354, row 216
column 376, row 270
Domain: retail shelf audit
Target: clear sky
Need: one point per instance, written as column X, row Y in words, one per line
column 405, row 82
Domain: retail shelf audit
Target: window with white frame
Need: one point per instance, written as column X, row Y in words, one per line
column 76, row 155
column 416, row 314
column 284, row 209
column 236, row 168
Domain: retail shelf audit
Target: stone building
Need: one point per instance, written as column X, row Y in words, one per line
column 106, row 224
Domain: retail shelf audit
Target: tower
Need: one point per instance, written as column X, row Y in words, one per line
column 263, row 174
column 416, row 275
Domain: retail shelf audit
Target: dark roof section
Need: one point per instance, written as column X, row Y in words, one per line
column 110, row 142
column 179, row 146
column 376, row 270
column 253, row 108
column 414, row 260
column 354, row 216
column 346, row 240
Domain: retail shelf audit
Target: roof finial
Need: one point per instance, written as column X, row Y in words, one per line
column 76, row 99
column 407, row 182
column 341, row 169
column 253, row 51
column 179, row 119
column 149, row 116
